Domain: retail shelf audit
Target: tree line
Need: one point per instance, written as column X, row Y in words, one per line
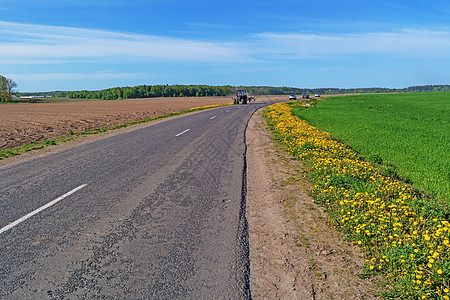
column 150, row 91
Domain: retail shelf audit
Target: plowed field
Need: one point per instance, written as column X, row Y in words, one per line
column 28, row 122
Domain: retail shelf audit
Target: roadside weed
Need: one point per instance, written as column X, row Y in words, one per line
column 406, row 134
column 405, row 236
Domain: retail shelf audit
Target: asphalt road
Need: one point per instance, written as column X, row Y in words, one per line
column 155, row 213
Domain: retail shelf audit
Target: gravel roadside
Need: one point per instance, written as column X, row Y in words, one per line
column 293, row 253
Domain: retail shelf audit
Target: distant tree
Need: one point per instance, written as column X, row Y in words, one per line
column 119, row 93
column 7, row 88
column 3, row 91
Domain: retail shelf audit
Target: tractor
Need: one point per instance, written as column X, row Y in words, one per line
column 240, row 97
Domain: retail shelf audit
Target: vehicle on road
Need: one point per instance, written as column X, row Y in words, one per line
column 241, row 97
column 305, row 96
column 317, row 95
column 292, row 97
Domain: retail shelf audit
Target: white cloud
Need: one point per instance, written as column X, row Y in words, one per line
column 75, row 76
column 413, row 43
column 31, row 42
column 36, row 44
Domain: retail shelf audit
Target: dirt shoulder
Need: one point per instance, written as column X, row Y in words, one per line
column 293, row 253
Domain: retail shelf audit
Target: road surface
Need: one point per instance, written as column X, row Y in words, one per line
column 155, row 213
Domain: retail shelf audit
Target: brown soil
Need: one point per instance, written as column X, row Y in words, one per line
column 293, row 253
column 27, row 122
column 22, row 123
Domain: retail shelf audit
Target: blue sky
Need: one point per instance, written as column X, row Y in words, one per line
column 51, row 45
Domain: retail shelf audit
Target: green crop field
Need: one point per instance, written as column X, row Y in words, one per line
column 407, row 134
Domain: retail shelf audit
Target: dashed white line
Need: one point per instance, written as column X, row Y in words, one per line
column 182, row 132
column 51, row 203
column 212, row 117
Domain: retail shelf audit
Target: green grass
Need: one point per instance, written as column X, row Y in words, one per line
column 405, row 236
column 407, row 134
column 33, row 146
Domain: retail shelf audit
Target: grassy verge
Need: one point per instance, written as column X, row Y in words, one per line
column 406, row 237
column 406, row 134
column 33, row 146
column 72, row 134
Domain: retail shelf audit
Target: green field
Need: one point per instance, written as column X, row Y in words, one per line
column 408, row 134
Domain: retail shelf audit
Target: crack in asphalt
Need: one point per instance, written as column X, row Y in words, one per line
column 243, row 235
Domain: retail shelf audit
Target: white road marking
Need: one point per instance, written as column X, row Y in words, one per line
column 51, row 203
column 212, row 117
column 183, row 132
